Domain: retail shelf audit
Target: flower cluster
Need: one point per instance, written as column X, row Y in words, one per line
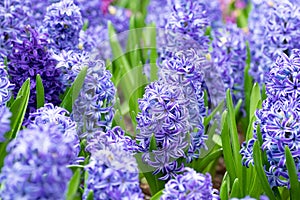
column 96, row 12
column 4, row 122
column 29, row 58
column 279, row 120
column 63, row 23
column 164, row 117
column 99, row 140
column 274, row 28
column 229, row 57
column 5, row 86
column 36, row 165
column 284, row 77
column 158, row 12
column 113, row 174
column 189, row 18
column 190, row 185
column 48, row 115
column 14, row 14
column 93, row 109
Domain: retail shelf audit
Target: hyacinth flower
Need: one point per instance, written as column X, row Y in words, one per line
column 113, row 174
column 274, row 28
column 164, row 118
column 96, row 40
column 100, row 140
column 229, row 58
column 39, row 9
column 36, row 165
column 99, row 12
column 50, row 114
column 62, row 23
column 284, row 77
column 158, row 12
column 93, row 109
column 29, row 58
column 14, row 14
column 185, row 71
column 189, row 19
column 190, row 185
column 5, row 86
column 5, row 115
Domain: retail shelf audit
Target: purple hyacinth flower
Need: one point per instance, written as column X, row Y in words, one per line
column 100, row 140
column 190, row 185
column 93, row 109
column 113, row 174
column 29, row 58
column 284, row 76
column 274, row 28
column 279, row 122
column 48, row 115
column 36, row 165
column 229, row 57
column 164, row 116
column 63, row 23
column 14, row 14
column 5, row 86
column 5, row 114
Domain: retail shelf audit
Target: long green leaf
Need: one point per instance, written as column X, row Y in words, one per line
column 18, row 110
column 234, row 138
column 227, row 150
column 254, row 99
column 40, row 93
column 73, row 185
column 223, row 191
column 248, row 81
column 260, row 171
column 157, row 195
column 235, row 192
column 208, row 159
column 293, row 177
column 74, row 91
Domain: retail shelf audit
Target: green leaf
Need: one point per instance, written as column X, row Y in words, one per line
column 227, row 150
column 90, row 196
column 73, row 185
column 254, row 99
column 234, row 138
column 260, row 171
column 18, row 110
column 218, row 109
column 157, row 195
column 74, row 91
column 40, row 93
column 248, row 81
column 293, row 177
column 208, row 159
column 235, row 192
column 223, row 191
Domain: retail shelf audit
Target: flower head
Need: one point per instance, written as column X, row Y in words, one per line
column 100, row 140
column 4, row 122
column 274, row 28
column 48, row 115
column 29, row 58
column 190, row 185
column 279, row 122
column 14, row 14
column 5, row 86
column 284, row 77
column 93, row 109
column 36, row 165
column 164, row 117
column 229, row 56
column 63, row 23
column 113, row 174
